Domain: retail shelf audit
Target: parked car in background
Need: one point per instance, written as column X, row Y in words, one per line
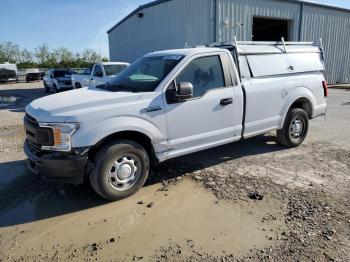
column 8, row 72
column 101, row 73
column 81, row 79
column 33, row 75
column 172, row 103
column 56, row 80
column 28, row 75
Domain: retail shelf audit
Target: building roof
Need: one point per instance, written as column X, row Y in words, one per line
column 158, row 2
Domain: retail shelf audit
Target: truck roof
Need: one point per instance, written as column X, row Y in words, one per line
column 114, row 63
column 185, row 51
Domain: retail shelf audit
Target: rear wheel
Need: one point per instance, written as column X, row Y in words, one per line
column 77, row 85
column 295, row 128
column 121, row 169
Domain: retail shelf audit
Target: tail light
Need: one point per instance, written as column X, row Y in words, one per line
column 325, row 88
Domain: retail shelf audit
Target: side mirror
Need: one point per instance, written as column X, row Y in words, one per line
column 184, row 90
column 100, row 74
column 51, row 76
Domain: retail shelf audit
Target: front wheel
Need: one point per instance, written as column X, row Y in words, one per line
column 295, row 128
column 121, row 169
column 54, row 89
column 47, row 89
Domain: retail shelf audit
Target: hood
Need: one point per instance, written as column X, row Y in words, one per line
column 60, row 107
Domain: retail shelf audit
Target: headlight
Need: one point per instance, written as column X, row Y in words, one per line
column 62, row 134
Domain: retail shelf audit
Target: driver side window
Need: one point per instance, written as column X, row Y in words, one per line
column 98, row 71
column 204, row 73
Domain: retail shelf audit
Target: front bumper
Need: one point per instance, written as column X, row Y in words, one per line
column 66, row 168
column 65, row 88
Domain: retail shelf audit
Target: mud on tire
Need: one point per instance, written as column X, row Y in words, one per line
column 295, row 128
column 115, row 164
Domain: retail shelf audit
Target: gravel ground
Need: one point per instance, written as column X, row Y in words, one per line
column 248, row 201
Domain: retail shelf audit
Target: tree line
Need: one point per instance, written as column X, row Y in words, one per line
column 44, row 57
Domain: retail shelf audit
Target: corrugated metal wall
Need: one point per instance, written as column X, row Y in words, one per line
column 168, row 25
column 333, row 26
column 240, row 13
column 174, row 24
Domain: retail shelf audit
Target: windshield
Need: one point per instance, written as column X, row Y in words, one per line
column 145, row 74
column 111, row 70
column 61, row 73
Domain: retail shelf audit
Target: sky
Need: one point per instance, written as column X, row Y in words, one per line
column 75, row 24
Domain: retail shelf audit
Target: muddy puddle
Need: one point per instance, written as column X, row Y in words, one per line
column 152, row 219
column 8, row 100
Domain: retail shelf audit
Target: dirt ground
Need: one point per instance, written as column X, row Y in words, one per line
column 248, row 201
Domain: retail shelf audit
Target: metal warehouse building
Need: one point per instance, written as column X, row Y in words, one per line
column 169, row 24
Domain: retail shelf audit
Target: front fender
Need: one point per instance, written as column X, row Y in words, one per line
column 90, row 136
column 294, row 95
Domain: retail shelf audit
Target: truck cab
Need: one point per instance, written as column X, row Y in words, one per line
column 172, row 103
column 101, row 73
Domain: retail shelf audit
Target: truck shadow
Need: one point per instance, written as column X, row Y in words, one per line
column 195, row 162
column 27, row 198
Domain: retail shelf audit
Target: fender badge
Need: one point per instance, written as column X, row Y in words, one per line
column 151, row 109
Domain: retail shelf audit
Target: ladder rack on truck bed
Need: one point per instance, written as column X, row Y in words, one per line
column 282, row 57
column 258, row 47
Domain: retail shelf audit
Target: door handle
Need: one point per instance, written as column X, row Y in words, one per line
column 226, row 101
column 91, row 79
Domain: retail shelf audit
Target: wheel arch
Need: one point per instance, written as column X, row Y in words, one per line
column 301, row 97
column 144, row 140
column 305, row 104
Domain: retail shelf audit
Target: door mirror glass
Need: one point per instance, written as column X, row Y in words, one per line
column 185, row 90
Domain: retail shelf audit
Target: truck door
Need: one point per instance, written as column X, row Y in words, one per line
column 97, row 76
column 49, row 78
column 207, row 119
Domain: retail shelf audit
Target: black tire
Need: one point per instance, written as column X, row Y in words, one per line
column 77, row 85
column 54, row 89
column 47, row 89
column 114, row 153
column 295, row 128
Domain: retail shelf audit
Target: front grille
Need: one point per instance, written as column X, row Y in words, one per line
column 67, row 83
column 37, row 136
column 31, row 120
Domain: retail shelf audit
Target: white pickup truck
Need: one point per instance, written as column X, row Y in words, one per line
column 171, row 103
column 101, row 73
